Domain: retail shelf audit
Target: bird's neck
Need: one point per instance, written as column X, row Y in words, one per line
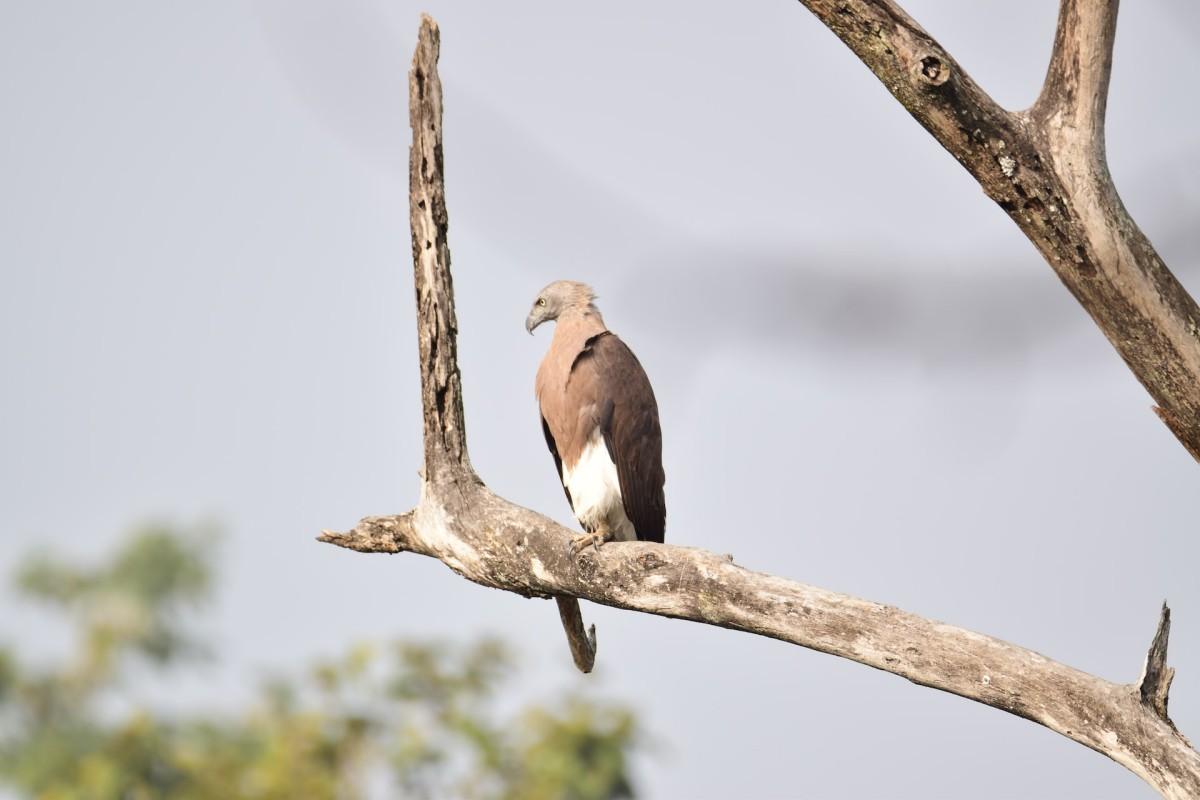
column 575, row 326
column 571, row 332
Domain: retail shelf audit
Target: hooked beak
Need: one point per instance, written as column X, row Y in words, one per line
column 531, row 323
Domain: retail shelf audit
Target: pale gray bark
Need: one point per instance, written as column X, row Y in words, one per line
column 495, row 543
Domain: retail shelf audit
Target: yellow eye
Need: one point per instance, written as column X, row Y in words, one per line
column 541, row 301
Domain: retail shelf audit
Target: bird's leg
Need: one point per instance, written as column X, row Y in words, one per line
column 595, row 538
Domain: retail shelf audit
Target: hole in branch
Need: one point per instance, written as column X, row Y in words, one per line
column 931, row 70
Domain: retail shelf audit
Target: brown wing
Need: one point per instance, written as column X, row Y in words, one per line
column 557, row 460
column 628, row 418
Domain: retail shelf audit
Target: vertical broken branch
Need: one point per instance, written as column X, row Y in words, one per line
column 1155, row 683
column 446, row 461
column 441, row 383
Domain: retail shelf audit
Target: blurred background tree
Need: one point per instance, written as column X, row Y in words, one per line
column 405, row 719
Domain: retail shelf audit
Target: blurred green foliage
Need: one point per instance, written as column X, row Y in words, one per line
column 413, row 720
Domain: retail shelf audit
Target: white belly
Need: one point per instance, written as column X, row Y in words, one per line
column 596, row 491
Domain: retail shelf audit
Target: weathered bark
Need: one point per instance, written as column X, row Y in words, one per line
column 496, row 543
column 499, row 544
column 446, row 460
column 1046, row 168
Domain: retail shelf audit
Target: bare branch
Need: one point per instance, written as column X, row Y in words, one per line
column 441, row 383
column 496, row 543
column 582, row 642
column 1046, row 169
column 1156, row 678
column 446, row 459
column 1075, row 94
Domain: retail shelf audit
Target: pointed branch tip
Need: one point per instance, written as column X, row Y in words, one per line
column 1155, row 683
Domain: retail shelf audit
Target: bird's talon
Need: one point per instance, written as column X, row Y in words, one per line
column 580, row 543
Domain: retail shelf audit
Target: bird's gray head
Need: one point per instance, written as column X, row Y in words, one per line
column 560, row 297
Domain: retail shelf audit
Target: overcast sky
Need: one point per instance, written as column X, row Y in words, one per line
column 868, row 379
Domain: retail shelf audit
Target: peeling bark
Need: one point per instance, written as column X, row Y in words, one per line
column 499, row 544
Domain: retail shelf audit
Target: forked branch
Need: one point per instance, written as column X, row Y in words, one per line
column 499, row 544
column 1046, row 168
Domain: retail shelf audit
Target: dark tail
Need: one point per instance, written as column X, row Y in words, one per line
column 583, row 643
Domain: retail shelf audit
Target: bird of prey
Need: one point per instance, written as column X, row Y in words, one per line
column 600, row 420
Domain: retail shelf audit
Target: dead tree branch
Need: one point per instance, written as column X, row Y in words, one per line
column 499, row 544
column 1046, row 168
column 1156, row 678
